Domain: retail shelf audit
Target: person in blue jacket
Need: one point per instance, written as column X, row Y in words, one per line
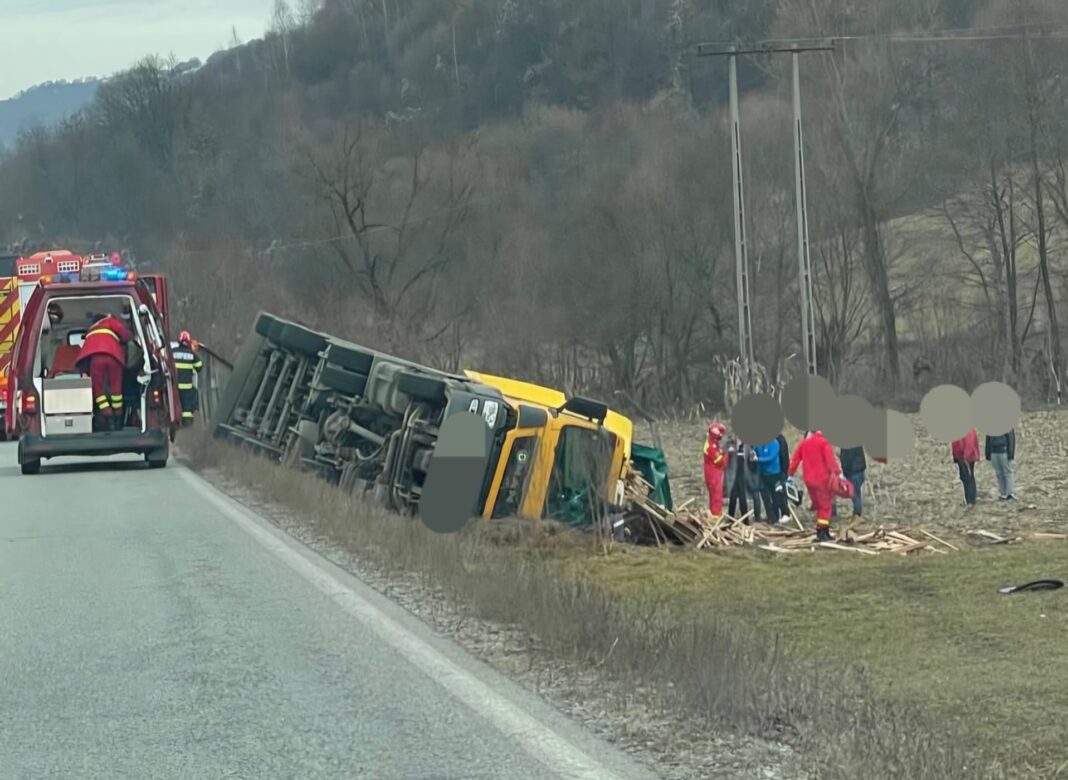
column 772, row 480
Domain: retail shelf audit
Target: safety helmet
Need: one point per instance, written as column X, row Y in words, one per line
column 716, row 430
column 184, row 337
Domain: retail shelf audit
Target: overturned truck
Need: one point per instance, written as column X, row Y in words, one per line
column 370, row 423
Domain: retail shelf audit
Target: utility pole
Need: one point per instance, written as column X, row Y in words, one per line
column 808, row 327
column 741, row 254
column 745, row 333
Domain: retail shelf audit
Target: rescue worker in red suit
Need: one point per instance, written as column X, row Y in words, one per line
column 103, row 355
column 819, row 464
column 715, row 465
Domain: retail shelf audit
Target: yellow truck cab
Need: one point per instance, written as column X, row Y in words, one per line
column 558, row 447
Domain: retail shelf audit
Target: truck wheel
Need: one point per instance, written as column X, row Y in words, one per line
column 300, row 339
column 349, row 358
column 423, row 388
column 30, row 467
column 263, row 324
column 157, row 459
column 344, row 382
column 274, row 331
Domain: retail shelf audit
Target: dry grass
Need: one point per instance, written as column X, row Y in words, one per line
column 723, row 669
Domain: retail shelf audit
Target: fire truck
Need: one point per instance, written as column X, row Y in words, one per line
column 56, row 265
column 50, row 404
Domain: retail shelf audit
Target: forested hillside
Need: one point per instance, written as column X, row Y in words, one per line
column 43, row 104
column 544, row 187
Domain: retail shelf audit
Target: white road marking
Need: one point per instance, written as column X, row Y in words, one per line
column 542, row 742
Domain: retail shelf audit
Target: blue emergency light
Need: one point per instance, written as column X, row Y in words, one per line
column 114, row 274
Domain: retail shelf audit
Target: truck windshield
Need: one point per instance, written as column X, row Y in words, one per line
column 580, row 471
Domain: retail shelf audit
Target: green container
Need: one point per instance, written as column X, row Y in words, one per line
column 652, row 465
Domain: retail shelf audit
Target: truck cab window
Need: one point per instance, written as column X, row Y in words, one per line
column 583, row 458
column 516, row 473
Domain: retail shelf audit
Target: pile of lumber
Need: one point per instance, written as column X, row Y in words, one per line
column 695, row 527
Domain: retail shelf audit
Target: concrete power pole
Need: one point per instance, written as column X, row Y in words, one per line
column 745, row 330
column 741, row 253
column 808, row 326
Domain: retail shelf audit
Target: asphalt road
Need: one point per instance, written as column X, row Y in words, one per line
column 152, row 628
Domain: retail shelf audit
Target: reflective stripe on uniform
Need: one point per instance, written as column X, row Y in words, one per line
column 719, row 458
column 706, row 448
column 187, row 414
column 821, row 523
column 188, row 386
column 107, row 331
column 102, row 402
column 185, row 366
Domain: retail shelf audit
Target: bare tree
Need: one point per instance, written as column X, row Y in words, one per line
column 395, row 220
column 866, row 94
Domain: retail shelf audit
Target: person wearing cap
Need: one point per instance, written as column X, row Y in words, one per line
column 187, row 363
column 103, row 356
column 715, row 464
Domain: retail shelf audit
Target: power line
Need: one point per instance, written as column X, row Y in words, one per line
column 988, row 33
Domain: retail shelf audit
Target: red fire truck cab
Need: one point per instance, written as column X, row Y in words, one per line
column 49, row 399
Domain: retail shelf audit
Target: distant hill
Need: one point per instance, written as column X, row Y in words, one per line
column 45, row 103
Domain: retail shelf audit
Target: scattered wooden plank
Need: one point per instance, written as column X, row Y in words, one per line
column 930, row 535
column 834, row 546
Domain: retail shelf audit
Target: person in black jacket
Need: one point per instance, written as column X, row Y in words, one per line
column 854, row 467
column 1001, row 452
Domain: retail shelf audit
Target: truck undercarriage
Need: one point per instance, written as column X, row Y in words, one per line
column 362, row 419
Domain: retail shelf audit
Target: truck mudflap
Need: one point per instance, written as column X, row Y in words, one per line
column 35, row 446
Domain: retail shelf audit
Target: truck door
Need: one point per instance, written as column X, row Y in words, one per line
column 22, row 356
column 157, row 286
column 161, row 348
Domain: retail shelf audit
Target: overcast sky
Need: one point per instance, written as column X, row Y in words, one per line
column 47, row 40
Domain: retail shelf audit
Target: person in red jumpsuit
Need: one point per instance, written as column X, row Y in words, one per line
column 819, row 465
column 715, row 465
column 103, row 355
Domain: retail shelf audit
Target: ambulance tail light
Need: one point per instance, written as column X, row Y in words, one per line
column 29, row 403
column 157, row 398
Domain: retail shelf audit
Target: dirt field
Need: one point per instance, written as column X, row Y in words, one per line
column 923, row 490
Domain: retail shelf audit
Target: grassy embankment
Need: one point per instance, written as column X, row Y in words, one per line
column 880, row 667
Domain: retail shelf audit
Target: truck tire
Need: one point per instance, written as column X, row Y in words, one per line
column 422, row 388
column 263, row 324
column 344, row 382
column 28, row 465
column 349, row 358
column 301, row 339
column 157, row 459
column 274, row 331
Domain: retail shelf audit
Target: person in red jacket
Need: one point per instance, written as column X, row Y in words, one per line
column 103, row 355
column 819, row 465
column 966, row 455
column 715, row 465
